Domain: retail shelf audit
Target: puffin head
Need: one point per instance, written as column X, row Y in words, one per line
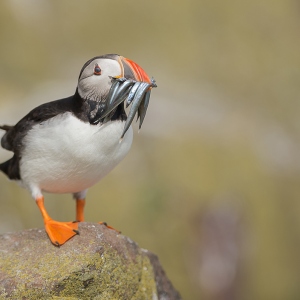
column 95, row 78
column 106, row 82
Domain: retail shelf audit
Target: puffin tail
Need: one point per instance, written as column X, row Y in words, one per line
column 6, row 127
column 4, row 167
column 11, row 168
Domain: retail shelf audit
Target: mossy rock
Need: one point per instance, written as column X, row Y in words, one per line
column 98, row 264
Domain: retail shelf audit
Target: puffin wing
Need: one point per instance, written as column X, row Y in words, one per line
column 4, row 142
column 6, row 127
column 12, row 139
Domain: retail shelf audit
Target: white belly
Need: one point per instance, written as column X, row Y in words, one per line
column 66, row 155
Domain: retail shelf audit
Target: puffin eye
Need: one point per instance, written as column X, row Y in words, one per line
column 97, row 70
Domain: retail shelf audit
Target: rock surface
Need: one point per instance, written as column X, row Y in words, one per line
column 97, row 264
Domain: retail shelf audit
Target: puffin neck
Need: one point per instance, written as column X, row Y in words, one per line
column 90, row 109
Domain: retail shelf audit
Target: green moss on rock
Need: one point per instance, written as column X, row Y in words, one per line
column 98, row 264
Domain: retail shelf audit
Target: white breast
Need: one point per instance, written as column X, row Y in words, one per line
column 66, row 155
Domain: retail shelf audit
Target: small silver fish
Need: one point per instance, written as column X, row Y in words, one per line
column 138, row 97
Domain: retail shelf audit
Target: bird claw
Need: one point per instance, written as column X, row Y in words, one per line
column 109, row 227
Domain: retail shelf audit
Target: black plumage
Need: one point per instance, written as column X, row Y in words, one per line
column 68, row 145
column 13, row 138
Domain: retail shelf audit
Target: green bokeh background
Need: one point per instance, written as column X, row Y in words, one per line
column 221, row 133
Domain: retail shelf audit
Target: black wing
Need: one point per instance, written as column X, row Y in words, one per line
column 6, row 127
column 12, row 140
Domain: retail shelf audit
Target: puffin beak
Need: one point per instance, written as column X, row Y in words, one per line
column 133, row 71
column 133, row 87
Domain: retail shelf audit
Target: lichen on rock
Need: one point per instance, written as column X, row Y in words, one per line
column 98, row 264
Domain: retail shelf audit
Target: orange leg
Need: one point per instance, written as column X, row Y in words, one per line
column 79, row 210
column 58, row 232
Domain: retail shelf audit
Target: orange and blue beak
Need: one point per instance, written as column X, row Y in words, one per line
column 132, row 70
column 133, row 87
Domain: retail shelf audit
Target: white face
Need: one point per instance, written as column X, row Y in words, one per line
column 94, row 87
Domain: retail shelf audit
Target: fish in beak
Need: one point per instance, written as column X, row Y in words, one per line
column 132, row 87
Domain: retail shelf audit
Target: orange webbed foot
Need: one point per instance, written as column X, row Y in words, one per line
column 110, row 227
column 60, row 232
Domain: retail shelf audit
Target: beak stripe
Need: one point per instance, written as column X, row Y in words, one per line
column 136, row 72
column 122, row 66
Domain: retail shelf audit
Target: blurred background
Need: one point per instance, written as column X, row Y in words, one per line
column 211, row 184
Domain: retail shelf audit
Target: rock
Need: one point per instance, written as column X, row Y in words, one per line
column 97, row 264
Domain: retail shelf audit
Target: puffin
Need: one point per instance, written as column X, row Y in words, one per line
column 68, row 145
